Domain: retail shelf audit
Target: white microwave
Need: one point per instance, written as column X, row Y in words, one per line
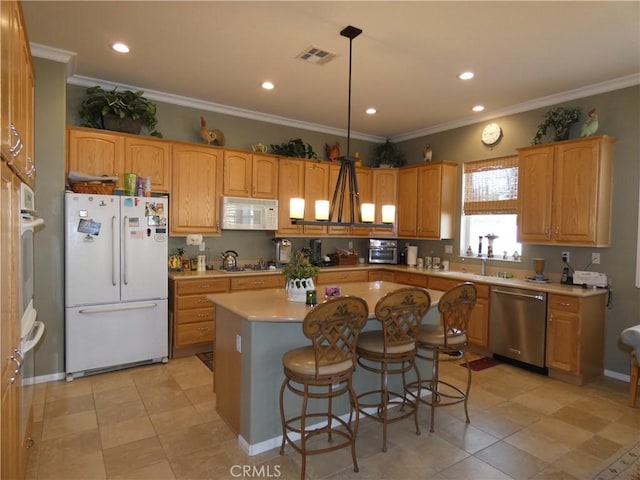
column 249, row 213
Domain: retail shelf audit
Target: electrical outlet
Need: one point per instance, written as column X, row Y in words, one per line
column 565, row 257
column 448, row 249
column 350, row 245
column 595, row 258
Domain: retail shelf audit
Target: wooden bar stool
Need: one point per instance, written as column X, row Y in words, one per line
column 631, row 337
column 392, row 350
column 324, row 370
column 446, row 342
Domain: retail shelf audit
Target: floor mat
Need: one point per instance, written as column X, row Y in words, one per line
column 626, row 467
column 207, row 359
column 481, row 363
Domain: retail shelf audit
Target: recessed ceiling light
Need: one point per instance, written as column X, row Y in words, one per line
column 478, row 108
column 466, row 76
column 120, row 47
column 370, row 111
column 268, row 85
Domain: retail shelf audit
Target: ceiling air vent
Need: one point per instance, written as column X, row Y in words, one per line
column 316, row 55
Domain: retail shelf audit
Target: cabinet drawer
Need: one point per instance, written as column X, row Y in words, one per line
column 193, row 301
column 381, row 275
column 195, row 315
column 258, row 281
column 564, row 303
column 337, row 277
column 209, row 285
column 195, row 333
column 415, row 279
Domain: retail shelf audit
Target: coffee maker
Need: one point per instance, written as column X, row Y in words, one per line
column 316, row 251
column 283, row 250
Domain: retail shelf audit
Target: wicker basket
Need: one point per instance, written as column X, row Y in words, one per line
column 98, row 188
column 342, row 259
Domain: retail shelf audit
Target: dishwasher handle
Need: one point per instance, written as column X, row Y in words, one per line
column 533, row 296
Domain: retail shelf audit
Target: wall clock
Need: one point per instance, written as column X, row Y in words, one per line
column 491, row 134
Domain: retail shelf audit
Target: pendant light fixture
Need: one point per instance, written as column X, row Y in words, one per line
column 346, row 189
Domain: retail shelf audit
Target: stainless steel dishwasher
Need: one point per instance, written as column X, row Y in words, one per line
column 518, row 324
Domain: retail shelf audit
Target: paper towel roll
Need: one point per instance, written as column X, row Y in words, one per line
column 412, row 255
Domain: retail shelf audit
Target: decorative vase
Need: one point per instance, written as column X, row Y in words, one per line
column 117, row 124
column 297, row 289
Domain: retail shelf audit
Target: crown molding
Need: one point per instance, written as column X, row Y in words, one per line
column 69, row 58
column 595, row 89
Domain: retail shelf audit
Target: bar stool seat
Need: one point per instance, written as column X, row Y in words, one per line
column 323, row 371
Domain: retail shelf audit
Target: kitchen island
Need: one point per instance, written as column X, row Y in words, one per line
column 253, row 331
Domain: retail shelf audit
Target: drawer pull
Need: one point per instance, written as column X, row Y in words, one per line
column 203, row 329
column 564, row 304
column 201, row 315
column 203, row 300
column 204, row 286
column 261, row 282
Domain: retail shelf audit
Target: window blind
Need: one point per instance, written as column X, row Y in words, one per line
column 491, row 186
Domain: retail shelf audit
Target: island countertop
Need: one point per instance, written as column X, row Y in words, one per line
column 272, row 305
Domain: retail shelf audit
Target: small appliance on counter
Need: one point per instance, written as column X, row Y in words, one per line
column 316, row 251
column 283, row 250
column 229, row 260
column 383, row 251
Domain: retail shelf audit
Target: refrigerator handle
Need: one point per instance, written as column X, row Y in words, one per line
column 114, row 239
column 124, row 249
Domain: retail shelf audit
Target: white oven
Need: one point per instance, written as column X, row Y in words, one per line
column 31, row 329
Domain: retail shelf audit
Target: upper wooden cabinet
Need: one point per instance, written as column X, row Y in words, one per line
column 384, row 188
column 427, row 200
column 316, row 187
column 565, row 192
column 290, row 185
column 196, row 183
column 16, row 93
column 250, row 175
column 101, row 152
column 146, row 157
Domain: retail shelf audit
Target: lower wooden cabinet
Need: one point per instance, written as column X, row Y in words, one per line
column 415, row 279
column 381, row 275
column 575, row 337
column 478, row 329
column 325, row 278
column 254, row 282
column 192, row 314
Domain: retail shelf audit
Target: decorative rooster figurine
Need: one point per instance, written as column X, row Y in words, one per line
column 427, row 155
column 214, row 136
column 333, row 153
column 590, row 125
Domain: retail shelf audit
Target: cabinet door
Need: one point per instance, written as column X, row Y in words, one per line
column 95, row 153
column 535, row 194
column 195, row 189
column 478, row 330
column 407, row 202
column 563, row 341
column 437, row 200
column 237, row 173
column 149, row 158
column 264, row 176
column 384, row 187
column 576, row 194
column 381, row 275
column 415, row 279
column 290, row 185
column 364, row 176
column 316, row 187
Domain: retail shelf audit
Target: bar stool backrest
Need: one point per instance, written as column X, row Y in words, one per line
column 333, row 327
column 455, row 307
column 401, row 313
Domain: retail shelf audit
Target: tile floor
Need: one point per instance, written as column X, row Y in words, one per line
column 159, row 422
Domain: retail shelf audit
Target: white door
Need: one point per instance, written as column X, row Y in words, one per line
column 144, row 247
column 92, row 249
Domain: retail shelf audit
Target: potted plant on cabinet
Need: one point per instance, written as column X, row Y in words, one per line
column 387, row 154
column 294, row 148
column 561, row 120
column 122, row 111
column 299, row 273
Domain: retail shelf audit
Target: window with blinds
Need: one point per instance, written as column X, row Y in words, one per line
column 491, row 186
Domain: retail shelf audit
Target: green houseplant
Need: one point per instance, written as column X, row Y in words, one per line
column 294, row 148
column 124, row 110
column 560, row 119
column 299, row 273
column 387, row 153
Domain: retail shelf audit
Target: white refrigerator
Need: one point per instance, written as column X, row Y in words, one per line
column 115, row 282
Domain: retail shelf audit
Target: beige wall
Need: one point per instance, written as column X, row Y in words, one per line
column 618, row 117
